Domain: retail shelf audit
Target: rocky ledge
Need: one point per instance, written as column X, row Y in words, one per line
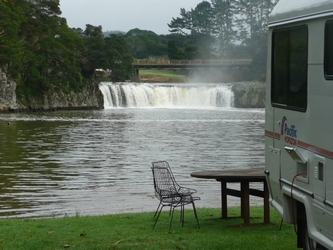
column 7, row 93
column 89, row 97
column 246, row 95
column 249, row 94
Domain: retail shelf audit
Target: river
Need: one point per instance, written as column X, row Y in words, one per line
column 98, row 162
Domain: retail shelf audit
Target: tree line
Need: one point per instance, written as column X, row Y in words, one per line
column 42, row 54
column 216, row 29
column 221, row 25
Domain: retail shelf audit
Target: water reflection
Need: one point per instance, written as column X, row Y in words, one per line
column 98, row 162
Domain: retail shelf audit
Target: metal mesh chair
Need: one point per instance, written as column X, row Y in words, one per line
column 170, row 193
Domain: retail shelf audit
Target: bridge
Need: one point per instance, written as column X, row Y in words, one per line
column 187, row 64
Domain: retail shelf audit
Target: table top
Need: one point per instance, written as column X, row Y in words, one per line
column 232, row 174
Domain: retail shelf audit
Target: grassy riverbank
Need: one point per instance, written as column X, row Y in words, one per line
column 157, row 75
column 134, row 231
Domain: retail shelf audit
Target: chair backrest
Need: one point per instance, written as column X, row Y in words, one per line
column 164, row 181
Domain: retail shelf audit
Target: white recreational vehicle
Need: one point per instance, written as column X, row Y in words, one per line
column 299, row 118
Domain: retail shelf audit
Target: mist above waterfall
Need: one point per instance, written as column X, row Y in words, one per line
column 136, row 95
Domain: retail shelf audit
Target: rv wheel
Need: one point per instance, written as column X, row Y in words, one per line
column 308, row 243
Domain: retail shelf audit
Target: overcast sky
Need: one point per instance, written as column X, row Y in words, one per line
column 124, row 15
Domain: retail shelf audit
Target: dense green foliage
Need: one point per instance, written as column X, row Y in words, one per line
column 42, row 54
column 105, row 52
column 134, row 231
column 144, row 43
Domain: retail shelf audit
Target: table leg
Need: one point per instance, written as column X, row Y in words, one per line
column 266, row 204
column 224, row 203
column 245, row 200
column 242, row 200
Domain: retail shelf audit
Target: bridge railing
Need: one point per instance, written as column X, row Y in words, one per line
column 193, row 62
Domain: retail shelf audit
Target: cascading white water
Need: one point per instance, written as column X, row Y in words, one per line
column 134, row 95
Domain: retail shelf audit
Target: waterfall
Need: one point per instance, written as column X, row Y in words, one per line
column 184, row 95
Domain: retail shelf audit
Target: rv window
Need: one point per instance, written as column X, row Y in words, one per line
column 289, row 68
column 328, row 61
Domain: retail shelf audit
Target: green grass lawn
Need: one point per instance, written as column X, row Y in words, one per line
column 134, row 231
column 162, row 75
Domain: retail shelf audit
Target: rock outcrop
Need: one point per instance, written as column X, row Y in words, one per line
column 249, row 94
column 7, row 93
column 246, row 95
column 90, row 97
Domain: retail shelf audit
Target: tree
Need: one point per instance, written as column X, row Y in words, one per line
column 144, row 43
column 119, row 60
column 202, row 19
column 65, row 57
column 180, row 25
column 195, row 21
column 43, row 55
column 173, row 51
column 37, row 49
column 51, row 50
column 252, row 23
column 225, row 29
column 224, row 12
column 11, row 48
column 93, row 56
column 253, row 18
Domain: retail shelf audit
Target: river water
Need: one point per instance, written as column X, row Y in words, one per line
column 98, row 162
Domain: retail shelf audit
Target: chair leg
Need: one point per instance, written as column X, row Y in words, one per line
column 157, row 209
column 182, row 214
column 173, row 210
column 195, row 214
column 158, row 215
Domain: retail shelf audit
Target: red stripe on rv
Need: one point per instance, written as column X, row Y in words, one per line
column 315, row 149
column 272, row 134
column 304, row 145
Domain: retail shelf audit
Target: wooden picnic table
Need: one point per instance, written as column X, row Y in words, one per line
column 244, row 177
